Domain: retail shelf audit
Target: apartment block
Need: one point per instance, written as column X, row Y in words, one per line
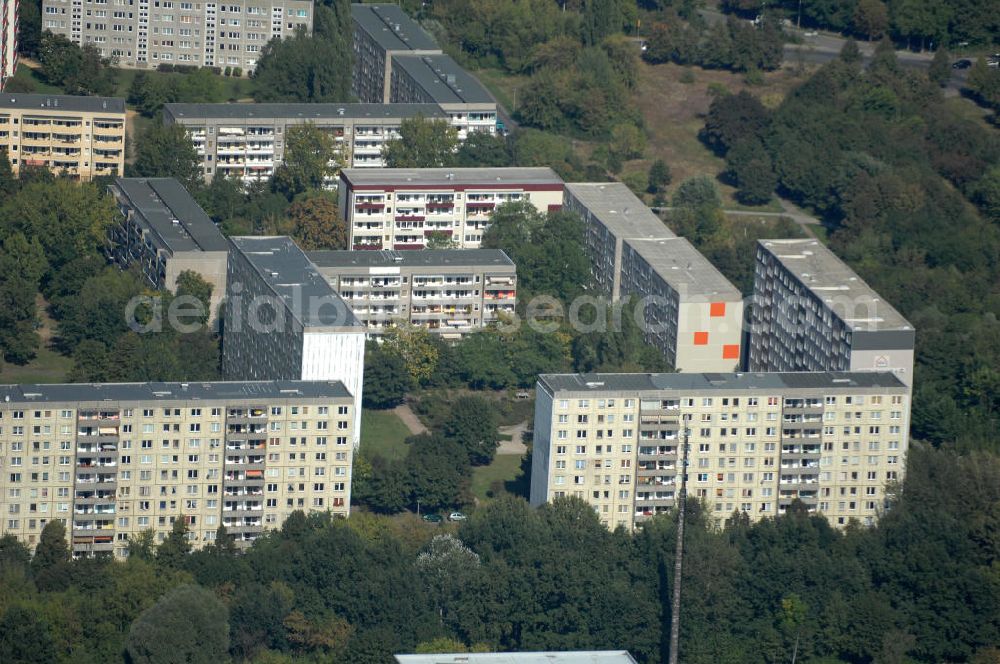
column 380, row 32
column 163, row 231
column 400, row 208
column 691, row 312
column 611, row 214
column 756, row 442
column 247, row 141
column 80, row 137
column 551, row 657
column 8, row 40
column 447, row 291
column 811, row 312
column 114, row 460
column 437, row 79
column 283, row 321
column 144, row 34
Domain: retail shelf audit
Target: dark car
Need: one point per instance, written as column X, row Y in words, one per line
column 432, row 518
column 962, row 64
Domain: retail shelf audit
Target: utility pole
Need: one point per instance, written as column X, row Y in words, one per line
column 675, row 610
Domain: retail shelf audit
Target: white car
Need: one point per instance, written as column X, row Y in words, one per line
column 457, row 516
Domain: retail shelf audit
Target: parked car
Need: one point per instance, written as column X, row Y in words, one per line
column 432, row 518
column 964, row 63
column 457, row 516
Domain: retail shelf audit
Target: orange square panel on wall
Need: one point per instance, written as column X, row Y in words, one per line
column 731, row 352
column 717, row 309
column 701, row 338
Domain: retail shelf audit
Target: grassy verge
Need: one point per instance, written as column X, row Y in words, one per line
column 383, row 434
column 501, row 476
column 47, row 367
column 230, row 87
column 28, row 75
column 503, row 86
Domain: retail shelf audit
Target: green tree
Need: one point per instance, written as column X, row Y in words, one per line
column 871, row 18
column 422, row 143
column 22, row 265
column 659, row 177
column 190, row 283
column 940, row 69
column 850, row 53
column 8, row 183
column 304, row 69
column 628, row 141
column 386, row 379
column 50, row 565
column 173, row 551
column 26, row 636
column 29, row 28
column 415, row 346
column 697, row 192
column 438, row 472
column 166, row 151
column 472, row 423
column 189, row 624
column 142, row 545
column 483, row 149
column 750, row 168
column 310, row 158
column 732, row 118
column 317, row 223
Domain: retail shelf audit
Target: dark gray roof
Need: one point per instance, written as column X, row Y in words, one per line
column 313, row 112
column 229, row 391
column 443, row 79
column 293, row 278
column 411, row 258
column 161, row 201
column 830, row 279
column 392, row 28
column 579, row 657
column 474, row 177
column 638, row 382
column 70, row 103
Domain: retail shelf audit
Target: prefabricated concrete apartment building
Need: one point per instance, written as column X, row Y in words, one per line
column 116, row 459
column 247, row 141
column 144, row 34
column 401, row 208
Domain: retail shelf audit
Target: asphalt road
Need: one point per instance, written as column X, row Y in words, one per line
column 818, row 49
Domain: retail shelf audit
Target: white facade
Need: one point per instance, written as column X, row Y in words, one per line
column 8, row 40
column 337, row 356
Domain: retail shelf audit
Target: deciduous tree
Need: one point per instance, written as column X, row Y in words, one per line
column 310, row 158
column 422, row 143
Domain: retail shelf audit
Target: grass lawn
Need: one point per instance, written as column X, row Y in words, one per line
column 382, row 434
column 33, row 78
column 503, row 86
column 47, row 367
column 505, row 468
column 231, row 87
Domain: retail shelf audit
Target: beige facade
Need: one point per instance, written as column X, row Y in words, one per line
column 247, row 141
column 144, row 34
column 8, row 40
column 756, row 442
column 83, row 137
column 113, row 460
column 401, row 208
column 448, row 291
column 162, row 230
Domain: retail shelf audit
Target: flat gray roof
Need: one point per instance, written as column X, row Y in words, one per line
column 682, row 266
column 483, row 177
column 411, row 258
column 830, row 279
column 223, row 390
column 580, row 657
column 292, row 111
column 443, row 79
column 70, row 103
column 392, row 28
column 163, row 201
column 600, row 382
column 618, row 209
column 294, row 279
